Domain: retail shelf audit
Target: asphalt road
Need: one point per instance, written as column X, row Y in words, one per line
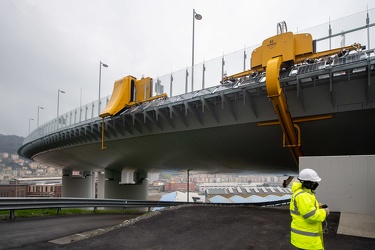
column 186, row 227
column 21, row 233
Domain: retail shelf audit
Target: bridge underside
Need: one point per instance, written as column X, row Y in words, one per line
column 244, row 148
column 219, row 132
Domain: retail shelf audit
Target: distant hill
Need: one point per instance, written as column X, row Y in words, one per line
column 10, row 143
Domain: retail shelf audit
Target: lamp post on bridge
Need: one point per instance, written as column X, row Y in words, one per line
column 58, row 100
column 198, row 17
column 30, row 119
column 38, row 116
column 100, row 77
column 188, row 186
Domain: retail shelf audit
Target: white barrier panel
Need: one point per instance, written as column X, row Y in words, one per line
column 348, row 182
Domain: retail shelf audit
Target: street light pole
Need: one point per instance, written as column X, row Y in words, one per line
column 38, row 116
column 58, row 100
column 30, row 119
column 188, row 182
column 100, row 77
column 198, row 17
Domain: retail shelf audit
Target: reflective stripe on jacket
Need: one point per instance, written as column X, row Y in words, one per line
column 307, row 218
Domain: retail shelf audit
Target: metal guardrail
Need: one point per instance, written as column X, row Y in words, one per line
column 13, row 204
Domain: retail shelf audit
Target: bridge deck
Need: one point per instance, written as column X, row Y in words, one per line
column 216, row 130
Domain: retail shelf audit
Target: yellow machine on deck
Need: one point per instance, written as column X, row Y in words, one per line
column 285, row 50
column 288, row 45
column 128, row 92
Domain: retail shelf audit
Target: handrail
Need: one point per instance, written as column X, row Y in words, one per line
column 21, row 203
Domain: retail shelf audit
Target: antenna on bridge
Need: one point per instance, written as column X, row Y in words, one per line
column 281, row 27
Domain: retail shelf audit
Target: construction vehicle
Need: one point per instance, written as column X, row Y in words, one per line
column 276, row 54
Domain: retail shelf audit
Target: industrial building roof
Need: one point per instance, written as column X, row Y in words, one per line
column 249, row 190
column 250, row 199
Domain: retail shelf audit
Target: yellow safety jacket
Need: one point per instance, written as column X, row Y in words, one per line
column 307, row 218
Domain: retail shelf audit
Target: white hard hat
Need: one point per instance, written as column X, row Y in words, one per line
column 308, row 174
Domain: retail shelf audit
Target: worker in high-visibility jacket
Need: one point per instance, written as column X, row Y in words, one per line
column 307, row 214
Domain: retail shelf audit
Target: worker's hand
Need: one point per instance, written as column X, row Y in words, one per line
column 327, row 210
column 323, row 205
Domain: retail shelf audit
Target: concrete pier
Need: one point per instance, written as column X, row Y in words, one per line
column 79, row 186
column 121, row 186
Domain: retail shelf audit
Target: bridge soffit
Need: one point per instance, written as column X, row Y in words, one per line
column 194, row 111
column 247, row 99
column 179, row 113
column 164, row 116
column 206, row 103
column 226, row 101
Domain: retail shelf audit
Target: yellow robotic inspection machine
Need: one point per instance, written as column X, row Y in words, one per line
column 128, row 92
column 282, row 51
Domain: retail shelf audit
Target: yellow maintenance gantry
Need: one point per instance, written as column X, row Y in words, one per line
column 283, row 51
column 128, row 92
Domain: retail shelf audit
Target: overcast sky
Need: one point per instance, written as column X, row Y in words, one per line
column 48, row 45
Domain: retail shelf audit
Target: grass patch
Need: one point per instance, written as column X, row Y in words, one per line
column 30, row 213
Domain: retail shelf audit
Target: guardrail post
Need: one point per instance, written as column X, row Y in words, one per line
column 58, row 211
column 11, row 214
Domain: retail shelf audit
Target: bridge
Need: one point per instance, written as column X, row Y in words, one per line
column 226, row 127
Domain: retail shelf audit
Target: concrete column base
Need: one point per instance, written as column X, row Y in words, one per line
column 100, row 185
column 77, row 186
column 114, row 190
